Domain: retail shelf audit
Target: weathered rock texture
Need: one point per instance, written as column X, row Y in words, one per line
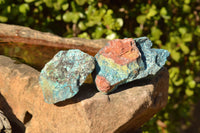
column 20, row 34
column 88, row 112
column 62, row 76
column 125, row 60
column 117, row 62
column 16, row 41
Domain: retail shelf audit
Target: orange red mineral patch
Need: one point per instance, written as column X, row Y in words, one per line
column 122, row 51
column 102, row 84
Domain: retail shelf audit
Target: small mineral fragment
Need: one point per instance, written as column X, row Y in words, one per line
column 125, row 60
column 62, row 76
column 119, row 61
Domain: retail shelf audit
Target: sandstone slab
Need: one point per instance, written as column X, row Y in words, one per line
column 90, row 111
column 62, row 76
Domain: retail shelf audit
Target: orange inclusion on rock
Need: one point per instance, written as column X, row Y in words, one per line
column 102, row 84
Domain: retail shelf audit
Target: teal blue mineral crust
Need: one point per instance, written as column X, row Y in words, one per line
column 148, row 63
column 154, row 59
column 62, row 76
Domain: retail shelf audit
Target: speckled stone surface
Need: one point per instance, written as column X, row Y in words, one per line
column 117, row 62
column 154, row 59
column 124, row 60
column 62, row 76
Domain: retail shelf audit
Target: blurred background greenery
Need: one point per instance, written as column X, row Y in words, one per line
column 170, row 24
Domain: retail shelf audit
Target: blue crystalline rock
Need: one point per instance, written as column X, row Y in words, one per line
column 154, row 59
column 115, row 65
column 62, row 76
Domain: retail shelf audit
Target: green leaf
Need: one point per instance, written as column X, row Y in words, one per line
column 163, row 11
column 84, row 35
column 182, row 30
column 65, row 6
column 108, row 20
column 187, row 1
column 38, row 3
column 197, row 31
column 81, row 2
column 187, row 37
column 171, row 90
column 120, row 22
column 99, row 31
column 152, row 12
column 184, row 48
column 58, row 17
column 179, row 82
column 141, row 19
column 68, row 16
column 82, row 26
column 173, row 71
column 9, row 9
column 111, row 36
column 71, row 17
column 175, row 55
column 23, row 8
column 3, row 19
column 192, row 84
column 189, row 92
column 155, row 33
column 138, row 31
column 29, row 1
column 186, row 8
column 2, row 1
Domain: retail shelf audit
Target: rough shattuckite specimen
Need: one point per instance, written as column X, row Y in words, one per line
column 62, row 76
column 154, row 59
column 119, row 61
column 124, row 60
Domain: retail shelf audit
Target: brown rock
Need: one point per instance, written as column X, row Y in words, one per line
column 89, row 111
column 25, row 35
column 16, row 41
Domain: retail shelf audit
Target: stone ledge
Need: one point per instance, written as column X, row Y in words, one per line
column 125, row 110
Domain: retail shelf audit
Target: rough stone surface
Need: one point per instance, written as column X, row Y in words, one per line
column 154, row 59
column 62, row 76
column 25, row 35
column 125, row 60
column 118, row 61
column 130, row 106
column 40, row 46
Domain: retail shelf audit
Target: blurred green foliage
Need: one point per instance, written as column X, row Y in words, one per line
column 173, row 25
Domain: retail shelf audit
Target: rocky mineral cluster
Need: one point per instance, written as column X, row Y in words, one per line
column 125, row 111
column 61, row 77
column 124, row 60
column 119, row 62
column 116, row 62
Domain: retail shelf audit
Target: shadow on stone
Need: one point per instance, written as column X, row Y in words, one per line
column 17, row 126
column 140, row 82
column 157, row 95
column 86, row 91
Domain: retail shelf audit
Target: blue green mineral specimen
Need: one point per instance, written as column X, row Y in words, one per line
column 62, row 76
column 154, row 59
column 125, row 60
